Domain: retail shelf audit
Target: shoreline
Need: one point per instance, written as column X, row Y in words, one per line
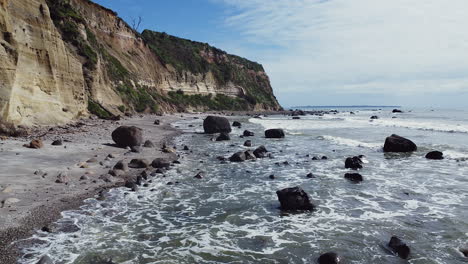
column 38, row 200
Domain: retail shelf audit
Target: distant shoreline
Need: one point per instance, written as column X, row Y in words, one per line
column 346, row 106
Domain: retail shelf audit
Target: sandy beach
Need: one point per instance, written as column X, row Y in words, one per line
column 29, row 194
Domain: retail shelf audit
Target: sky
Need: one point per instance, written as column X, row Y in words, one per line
column 331, row 52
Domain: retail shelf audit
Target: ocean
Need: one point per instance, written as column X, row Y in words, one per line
column 232, row 215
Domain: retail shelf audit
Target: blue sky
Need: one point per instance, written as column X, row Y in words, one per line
column 331, row 52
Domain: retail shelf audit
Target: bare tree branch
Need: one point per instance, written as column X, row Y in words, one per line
column 136, row 24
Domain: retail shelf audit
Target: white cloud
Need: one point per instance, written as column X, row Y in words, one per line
column 367, row 46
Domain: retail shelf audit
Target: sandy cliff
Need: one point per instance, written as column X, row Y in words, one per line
column 62, row 59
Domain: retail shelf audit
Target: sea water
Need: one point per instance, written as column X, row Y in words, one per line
column 232, row 215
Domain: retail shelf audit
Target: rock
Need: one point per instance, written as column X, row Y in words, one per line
column 148, row 144
column 354, row 163
column 186, row 148
column 354, row 177
column 374, row 117
column 260, row 152
column 238, row 157
column 223, row 137
column 399, row 247
column 236, row 124
column 216, row 124
column 62, row 178
column 249, row 155
column 395, row 143
column 160, row 163
column 57, row 142
column 221, row 158
column 135, row 149
column 295, row 118
column 139, row 164
column 199, row 176
column 272, row 177
column 397, row 111
column 126, row 136
column 45, row 260
column 274, row 133
column 35, row 144
column 293, row 199
column 310, row 176
column 84, row 178
column 117, row 173
column 435, row 155
column 248, row 133
column 464, row 251
column 248, row 143
column 121, row 165
column 157, row 122
column 168, row 150
column 329, row 258
column 131, row 185
column 324, row 157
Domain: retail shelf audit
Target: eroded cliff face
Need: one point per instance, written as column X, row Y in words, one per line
column 62, row 59
column 41, row 81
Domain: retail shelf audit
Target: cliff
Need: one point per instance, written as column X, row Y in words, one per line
column 63, row 59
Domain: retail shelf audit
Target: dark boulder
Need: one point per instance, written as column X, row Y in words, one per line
column 157, row 122
column 399, row 247
column 274, row 133
column 354, row 163
column 216, row 124
column 148, row 144
column 248, row 133
column 395, row 143
column 374, row 117
column 160, row 163
column 329, row 258
column 223, row 137
column 249, row 155
column 248, row 143
column 272, row 177
column 354, row 177
column 435, row 155
column 236, row 124
column 135, row 149
column 238, row 157
column 464, row 251
column 121, row 165
column 310, row 175
column 397, row 111
column 131, row 185
column 126, row 136
column 296, row 118
column 45, row 260
column 139, row 164
column 293, row 199
column 260, row 152
column 57, row 142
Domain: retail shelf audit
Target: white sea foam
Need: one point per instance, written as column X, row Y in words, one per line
column 352, row 142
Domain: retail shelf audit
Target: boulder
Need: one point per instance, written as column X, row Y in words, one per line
column 160, row 163
column 223, row 137
column 310, row 175
column 464, row 251
column 57, row 142
column 236, row 124
column 329, row 258
column 35, row 144
column 296, row 118
column 293, row 199
column 397, row 111
column 274, row 133
column 45, row 260
column 135, row 149
column 354, row 163
column 139, row 164
column 238, row 157
column 248, row 143
column 260, row 152
column 127, row 136
column 435, row 155
column 248, row 133
column 249, row 155
column 199, row 175
column 157, row 122
column 121, row 165
column 148, row 144
column 399, row 247
column 374, row 117
column 131, row 185
column 354, row 177
column 216, row 124
column 395, row 143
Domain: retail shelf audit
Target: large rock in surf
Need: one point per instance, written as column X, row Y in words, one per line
column 435, row 155
column 127, row 136
column 236, row 124
column 354, row 177
column 399, row 247
column 329, row 258
column 223, row 137
column 293, row 199
column 274, row 133
column 248, row 133
column 395, row 143
column 216, row 124
column 160, row 163
column 260, row 152
column 238, row 157
column 45, row 260
column 397, row 111
column 354, row 163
